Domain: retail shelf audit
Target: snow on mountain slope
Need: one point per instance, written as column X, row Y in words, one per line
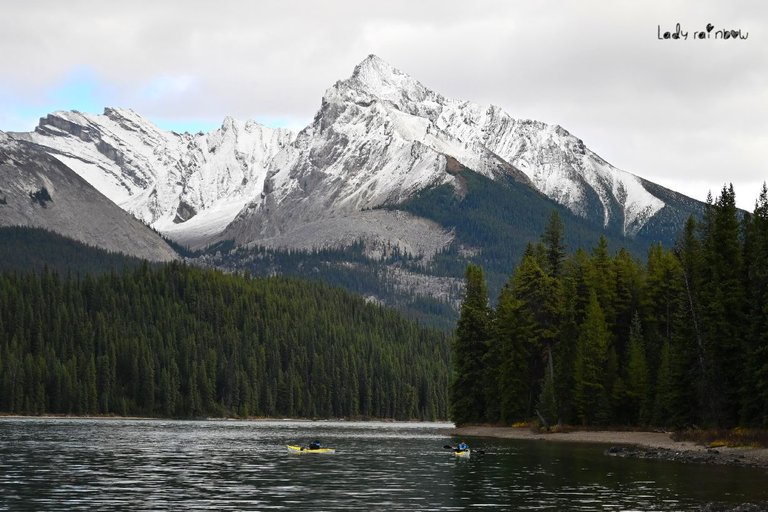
column 164, row 178
column 380, row 136
column 557, row 163
column 364, row 150
column 39, row 191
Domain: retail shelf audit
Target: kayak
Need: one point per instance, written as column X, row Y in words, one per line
column 462, row 453
column 301, row 449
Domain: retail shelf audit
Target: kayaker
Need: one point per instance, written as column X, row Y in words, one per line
column 462, row 447
column 314, row 445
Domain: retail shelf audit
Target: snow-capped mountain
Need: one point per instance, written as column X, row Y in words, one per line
column 193, row 183
column 380, row 136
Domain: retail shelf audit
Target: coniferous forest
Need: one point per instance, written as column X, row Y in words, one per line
column 177, row 341
column 592, row 338
column 600, row 338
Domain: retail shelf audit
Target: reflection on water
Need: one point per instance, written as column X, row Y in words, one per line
column 85, row 464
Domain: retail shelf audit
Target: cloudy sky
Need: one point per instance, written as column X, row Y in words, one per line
column 689, row 114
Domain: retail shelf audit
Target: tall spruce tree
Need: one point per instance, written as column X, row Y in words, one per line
column 473, row 334
column 687, row 357
column 591, row 393
column 664, row 407
column 755, row 385
column 723, row 300
column 513, row 329
column 637, row 391
column 554, row 245
column 575, row 292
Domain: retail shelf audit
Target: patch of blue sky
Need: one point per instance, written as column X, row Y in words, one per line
column 83, row 90
column 79, row 90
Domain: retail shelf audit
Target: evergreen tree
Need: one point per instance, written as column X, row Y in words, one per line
column 591, row 389
column 687, row 358
column 637, row 376
column 664, row 406
column 554, row 244
column 511, row 349
column 575, row 297
column 723, row 299
column 179, row 341
column 755, row 384
column 602, row 279
column 468, row 389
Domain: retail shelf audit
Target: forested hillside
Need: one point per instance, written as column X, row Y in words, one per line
column 177, row 341
column 601, row 339
column 347, row 267
column 23, row 249
column 501, row 217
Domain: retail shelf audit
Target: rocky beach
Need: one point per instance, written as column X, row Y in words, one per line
column 647, row 445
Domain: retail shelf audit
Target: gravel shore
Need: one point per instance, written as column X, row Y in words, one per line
column 649, row 445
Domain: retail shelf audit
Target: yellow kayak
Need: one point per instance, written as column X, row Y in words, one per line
column 462, row 453
column 302, row 449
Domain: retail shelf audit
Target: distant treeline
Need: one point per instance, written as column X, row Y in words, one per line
column 601, row 339
column 177, row 341
column 23, row 249
column 348, row 267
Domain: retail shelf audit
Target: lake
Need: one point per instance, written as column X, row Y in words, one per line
column 116, row 464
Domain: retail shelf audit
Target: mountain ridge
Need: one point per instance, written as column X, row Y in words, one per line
column 390, row 190
column 37, row 190
column 164, row 178
column 379, row 137
column 390, row 137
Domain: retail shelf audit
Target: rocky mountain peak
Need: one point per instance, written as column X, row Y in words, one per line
column 379, row 138
column 123, row 114
column 374, row 79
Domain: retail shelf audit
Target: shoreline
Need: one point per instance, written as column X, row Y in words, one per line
column 443, row 423
column 636, row 444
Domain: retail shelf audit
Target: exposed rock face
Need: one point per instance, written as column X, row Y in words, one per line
column 379, row 137
column 39, row 191
column 164, row 178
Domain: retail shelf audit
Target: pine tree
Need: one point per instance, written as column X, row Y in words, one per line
column 637, row 376
column 468, row 389
column 602, row 279
column 755, row 385
column 687, row 359
column 723, row 299
column 660, row 301
column 664, row 409
column 511, row 349
column 553, row 240
column 591, row 393
column 575, row 293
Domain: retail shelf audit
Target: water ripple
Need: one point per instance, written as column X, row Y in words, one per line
column 73, row 464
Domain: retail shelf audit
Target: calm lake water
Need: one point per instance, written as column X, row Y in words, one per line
column 73, row 464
